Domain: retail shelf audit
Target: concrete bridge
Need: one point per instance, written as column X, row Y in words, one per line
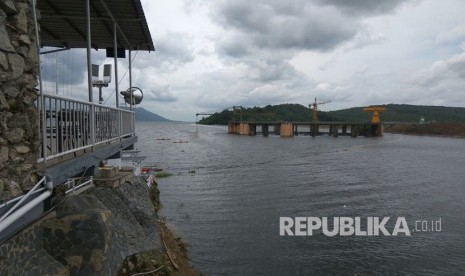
column 291, row 129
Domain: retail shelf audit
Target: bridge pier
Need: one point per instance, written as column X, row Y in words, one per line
column 265, row 130
column 252, row 129
column 287, row 130
column 244, row 129
column 335, row 131
column 314, row 130
column 354, row 130
column 290, row 129
column 233, row 128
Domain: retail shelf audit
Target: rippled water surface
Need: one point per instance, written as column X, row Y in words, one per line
column 228, row 210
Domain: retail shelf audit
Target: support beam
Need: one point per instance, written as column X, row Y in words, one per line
column 114, row 20
column 76, row 29
column 89, row 74
column 130, row 78
column 115, row 59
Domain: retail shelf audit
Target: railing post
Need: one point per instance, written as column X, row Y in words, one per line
column 120, row 122
column 115, row 52
column 92, row 124
column 41, row 104
column 130, row 79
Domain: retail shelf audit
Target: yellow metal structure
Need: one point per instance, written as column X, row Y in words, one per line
column 314, row 106
column 376, row 110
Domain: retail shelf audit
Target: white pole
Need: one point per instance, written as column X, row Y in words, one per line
column 23, row 210
column 115, row 45
column 89, row 75
column 130, row 78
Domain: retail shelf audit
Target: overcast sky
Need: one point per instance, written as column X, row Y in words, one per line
column 211, row 55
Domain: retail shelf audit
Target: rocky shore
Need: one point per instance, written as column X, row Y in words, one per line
column 102, row 231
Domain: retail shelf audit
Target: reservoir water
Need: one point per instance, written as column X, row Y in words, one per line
column 228, row 192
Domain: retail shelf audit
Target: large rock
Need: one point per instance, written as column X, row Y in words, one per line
column 9, row 189
column 15, row 135
column 5, row 43
column 3, row 62
column 17, row 65
column 20, row 19
column 88, row 234
column 8, row 7
column 80, row 240
column 3, row 156
column 4, row 105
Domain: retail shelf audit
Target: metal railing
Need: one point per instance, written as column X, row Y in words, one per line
column 15, row 209
column 68, row 125
column 18, row 207
column 74, row 185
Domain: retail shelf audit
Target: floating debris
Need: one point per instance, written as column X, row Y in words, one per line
column 163, row 174
column 180, row 142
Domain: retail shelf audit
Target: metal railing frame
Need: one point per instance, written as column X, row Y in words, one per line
column 18, row 209
column 71, row 185
column 71, row 125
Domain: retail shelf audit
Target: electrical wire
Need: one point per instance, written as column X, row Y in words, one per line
column 121, row 79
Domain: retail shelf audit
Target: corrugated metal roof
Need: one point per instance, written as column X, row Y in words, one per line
column 63, row 24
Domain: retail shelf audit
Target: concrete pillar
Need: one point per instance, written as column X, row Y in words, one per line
column 287, row 130
column 380, row 131
column 315, row 128
column 296, row 130
column 230, row 128
column 344, row 129
column 277, row 129
column 335, row 131
column 354, row 130
column 265, row 130
column 252, row 129
column 244, row 129
column 233, row 128
column 376, row 130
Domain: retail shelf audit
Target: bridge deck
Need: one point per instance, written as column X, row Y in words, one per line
column 290, row 129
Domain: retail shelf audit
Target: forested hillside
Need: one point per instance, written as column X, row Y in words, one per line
column 300, row 113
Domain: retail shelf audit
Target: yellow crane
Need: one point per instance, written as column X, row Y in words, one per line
column 314, row 107
column 376, row 110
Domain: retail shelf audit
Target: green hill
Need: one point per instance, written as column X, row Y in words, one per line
column 300, row 113
column 143, row 115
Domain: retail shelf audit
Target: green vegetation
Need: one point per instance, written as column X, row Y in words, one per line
column 300, row 113
column 269, row 113
column 163, row 174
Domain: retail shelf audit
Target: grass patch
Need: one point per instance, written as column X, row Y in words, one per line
column 163, row 174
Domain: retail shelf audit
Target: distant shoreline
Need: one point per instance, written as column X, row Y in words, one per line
column 455, row 130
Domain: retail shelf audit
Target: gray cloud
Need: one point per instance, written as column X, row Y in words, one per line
column 161, row 94
column 363, row 7
column 276, row 25
column 69, row 67
column 452, row 69
column 234, row 46
column 263, row 36
column 173, row 50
